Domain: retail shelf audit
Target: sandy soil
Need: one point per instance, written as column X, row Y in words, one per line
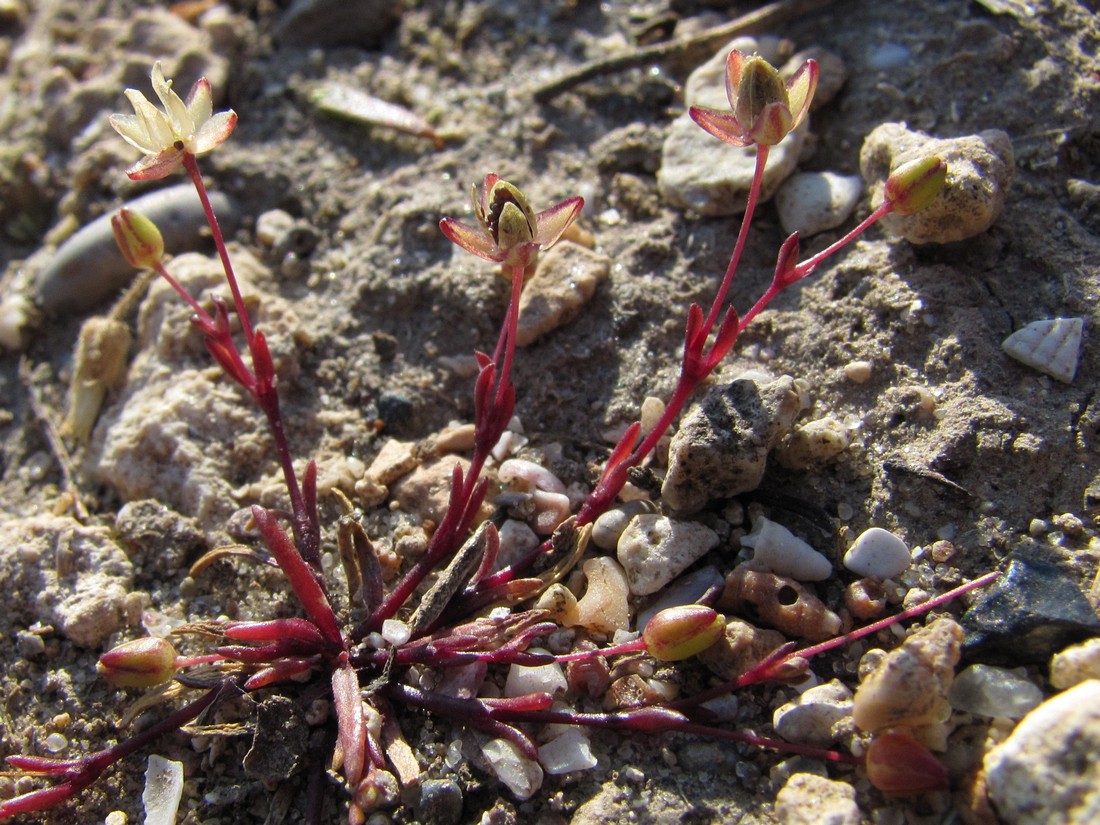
column 954, row 439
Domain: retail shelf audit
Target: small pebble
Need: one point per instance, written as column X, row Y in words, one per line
column 979, row 172
column 1033, row 610
column 655, row 549
column 986, row 690
column 858, row 372
column 604, row 607
column 522, row 776
column 812, row 202
column 88, row 267
column 610, row 525
column 273, row 226
column 815, row 442
column 721, row 447
column 1053, row 347
column 909, row 686
column 565, row 280
column 809, row 799
column 888, row 57
column 1076, row 664
column 324, row 23
column 56, row 742
column 516, row 541
column 570, row 751
column 522, row 470
column 778, row 550
column 539, row 679
column 1046, row 772
column 878, row 553
column 439, row 802
column 817, row 717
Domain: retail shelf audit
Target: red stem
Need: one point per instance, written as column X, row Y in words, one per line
column 190, row 163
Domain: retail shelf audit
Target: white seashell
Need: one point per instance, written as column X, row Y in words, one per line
column 778, row 550
column 1052, row 346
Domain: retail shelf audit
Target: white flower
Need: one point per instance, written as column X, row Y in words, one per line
column 181, row 129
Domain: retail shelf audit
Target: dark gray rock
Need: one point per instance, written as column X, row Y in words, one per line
column 89, row 267
column 362, row 23
column 1034, row 610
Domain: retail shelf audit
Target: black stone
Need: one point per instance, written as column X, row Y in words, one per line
column 1034, row 610
column 440, row 802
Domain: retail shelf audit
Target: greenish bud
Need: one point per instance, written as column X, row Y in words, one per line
column 139, row 663
column 681, row 632
column 138, row 238
column 914, row 185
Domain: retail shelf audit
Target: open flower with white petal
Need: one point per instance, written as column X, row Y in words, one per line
column 183, row 128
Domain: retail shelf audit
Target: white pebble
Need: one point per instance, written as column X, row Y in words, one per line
column 521, row 775
column 610, row 525
column 778, row 550
column 812, row 202
column 395, row 631
column 551, row 509
column 816, row 717
column 566, row 753
column 655, row 549
column 516, row 541
column 540, row 679
column 858, row 372
column 519, row 469
column 1075, row 664
column 877, row 553
column 163, row 790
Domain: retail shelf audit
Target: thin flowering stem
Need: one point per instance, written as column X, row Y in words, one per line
column 808, row 266
column 506, row 346
column 191, row 164
column 750, row 206
column 203, row 317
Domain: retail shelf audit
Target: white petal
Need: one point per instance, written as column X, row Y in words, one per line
column 212, row 132
column 157, row 129
column 132, row 131
column 180, row 118
column 200, row 103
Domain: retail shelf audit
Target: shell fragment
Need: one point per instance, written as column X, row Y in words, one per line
column 1052, row 346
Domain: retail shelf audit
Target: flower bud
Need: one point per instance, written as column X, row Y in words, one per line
column 899, row 764
column 138, row 238
column 139, row 663
column 914, row 185
column 681, row 632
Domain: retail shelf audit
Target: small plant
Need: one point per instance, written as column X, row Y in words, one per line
column 446, row 625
